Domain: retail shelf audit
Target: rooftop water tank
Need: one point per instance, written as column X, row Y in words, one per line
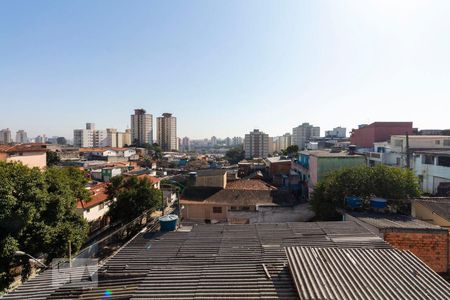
column 353, row 202
column 378, row 203
column 168, row 223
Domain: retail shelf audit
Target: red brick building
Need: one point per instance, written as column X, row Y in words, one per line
column 378, row 132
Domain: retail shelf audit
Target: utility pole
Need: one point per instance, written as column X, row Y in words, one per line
column 70, row 254
column 408, row 158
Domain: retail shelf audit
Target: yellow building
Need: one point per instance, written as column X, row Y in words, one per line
column 30, row 155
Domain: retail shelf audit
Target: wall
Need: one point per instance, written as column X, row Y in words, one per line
column 280, row 167
column 431, row 248
column 212, row 181
column 432, row 174
column 327, row 164
column 31, row 159
column 421, row 212
column 378, row 132
column 202, row 211
column 274, row 214
column 94, row 212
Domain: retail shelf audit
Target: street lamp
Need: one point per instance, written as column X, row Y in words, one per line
column 21, row 253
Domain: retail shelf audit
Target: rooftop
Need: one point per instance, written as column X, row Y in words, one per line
column 278, row 159
column 328, row 153
column 249, row 184
column 213, row 262
column 445, row 151
column 438, row 205
column 390, row 221
column 211, row 172
column 98, row 195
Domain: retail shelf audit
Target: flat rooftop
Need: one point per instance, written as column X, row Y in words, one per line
column 438, row 205
column 328, row 153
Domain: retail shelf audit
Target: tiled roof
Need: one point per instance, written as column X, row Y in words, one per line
column 250, row 197
column 150, row 178
column 249, row 184
column 209, row 262
column 371, row 274
column 438, row 205
column 23, row 148
column 98, row 195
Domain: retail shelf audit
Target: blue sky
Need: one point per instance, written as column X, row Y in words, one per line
column 223, row 67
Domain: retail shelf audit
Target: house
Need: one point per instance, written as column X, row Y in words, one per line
column 305, row 261
column 314, row 165
column 427, row 241
column 277, row 165
column 95, row 210
column 30, row 155
column 433, row 169
column 210, row 177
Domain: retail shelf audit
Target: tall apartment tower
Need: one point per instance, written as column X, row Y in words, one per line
column 21, row 137
column 303, row 133
column 185, row 144
column 167, row 132
column 141, row 127
column 5, row 136
column 256, row 144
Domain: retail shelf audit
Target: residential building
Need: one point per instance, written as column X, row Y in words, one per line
column 141, row 128
column 433, row 169
column 210, row 178
column 41, row 139
column 126, row 138
column 61, row 140
column 282, row 142
column 117, row 139
column 316, row 164
column 185, row 145
column 237, row 140
column 314, row 260
column 90, row 137
column 256, row 144
column 31, row 155
column 337, row 132
column 21, row 137
column 5, row 136
column 213, row 141
column 227, row 142
column 167, row 132
column 95, row 211
column 366, row 136
column 303, row 133
column 278, row 165
column 427, row 241
column 394, row 152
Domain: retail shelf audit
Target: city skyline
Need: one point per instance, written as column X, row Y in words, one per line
column 209, row 63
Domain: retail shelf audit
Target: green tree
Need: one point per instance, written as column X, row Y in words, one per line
column 392, row 183
column 235, row 155
column 52, row 158
column 38, row 212
column 132, row 196
column 291, row 150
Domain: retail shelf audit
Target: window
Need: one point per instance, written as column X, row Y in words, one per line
column 245, row 208
column 398, row 143
column 233, row 208
column 443, row 161
column 428, row 159
column 437, row 142
column 217, row 210
column 446, row 142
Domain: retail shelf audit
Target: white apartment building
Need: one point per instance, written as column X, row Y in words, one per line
column 256, row 144
column 141, row 127
column 167, row 132
column 282, row 142
column 90, row 137
column 303, row 133
column 21, row 137
column 337, row 132
column 117, row 139
column 433, row 169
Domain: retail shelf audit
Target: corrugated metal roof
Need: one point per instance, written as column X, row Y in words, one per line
column 211, row 261
column 336, row 273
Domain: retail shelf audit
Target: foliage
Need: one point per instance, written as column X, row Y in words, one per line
column 52, row 158
column 291, row 150
column 38, row 212
column 132, row 196
column 391, row 183
column 154, row 150
column 235, row 155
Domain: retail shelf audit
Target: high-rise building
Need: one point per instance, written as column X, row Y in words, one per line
column 282, row 142
column 90, row 137
column 237, row 140
column 5, row 136
column 127, row 137
column 141, row 127
column 21, row 137
column 185, row 144
column 41, row 139
column 303, row 133
column 228, row 142
column 213, row 141
column 167, row 132
column 256, row 144
column 337, row 132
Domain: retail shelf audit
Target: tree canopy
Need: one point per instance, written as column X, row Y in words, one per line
column 38, row 212
column 234, row 155
column 132, row 196
column 291, row 150
column 391, row 183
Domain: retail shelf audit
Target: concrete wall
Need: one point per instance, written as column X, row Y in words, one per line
column 31, row 159
column 421, row 212
column 431, row 248
column 212, row 181
column 432, row 174
column 273, row 214
column 327, row 164
column 201, row 211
